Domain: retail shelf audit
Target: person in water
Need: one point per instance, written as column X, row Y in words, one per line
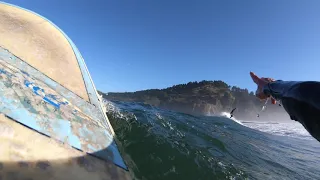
column 231, row 113
column 301, row 100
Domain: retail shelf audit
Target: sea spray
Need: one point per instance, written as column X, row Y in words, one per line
column 159, row 144
column 228, row 115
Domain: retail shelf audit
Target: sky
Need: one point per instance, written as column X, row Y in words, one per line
column 143, row 44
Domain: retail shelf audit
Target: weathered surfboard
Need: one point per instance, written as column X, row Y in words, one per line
column 52, row 124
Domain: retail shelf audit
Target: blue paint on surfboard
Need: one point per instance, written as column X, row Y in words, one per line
column 33, row 99
column 65, row 124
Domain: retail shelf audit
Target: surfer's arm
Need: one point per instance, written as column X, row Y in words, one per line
column 304, row 91
column 301, row 100
column 278, row 89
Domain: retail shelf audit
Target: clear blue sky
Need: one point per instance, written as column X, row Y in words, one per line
column 133, row 45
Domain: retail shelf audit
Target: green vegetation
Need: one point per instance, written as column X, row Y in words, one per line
column 201, row 98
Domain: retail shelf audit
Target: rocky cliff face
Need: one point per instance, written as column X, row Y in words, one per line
column 204, row 98
column 197, row 108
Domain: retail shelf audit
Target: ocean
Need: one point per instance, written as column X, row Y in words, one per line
column 159, row 144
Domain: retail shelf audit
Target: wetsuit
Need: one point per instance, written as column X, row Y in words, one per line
column 301, row 100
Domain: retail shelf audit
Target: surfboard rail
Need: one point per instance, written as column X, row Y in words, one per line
column 51, row 116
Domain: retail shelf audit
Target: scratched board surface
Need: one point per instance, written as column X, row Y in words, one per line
column 82, row 104
column 35, row 104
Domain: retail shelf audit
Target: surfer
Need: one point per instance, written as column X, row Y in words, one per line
column 231, row 113
column 301, row 100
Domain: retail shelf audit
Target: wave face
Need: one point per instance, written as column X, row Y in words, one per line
column 159, row 144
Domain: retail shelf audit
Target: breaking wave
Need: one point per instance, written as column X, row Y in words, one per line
column 158, row 144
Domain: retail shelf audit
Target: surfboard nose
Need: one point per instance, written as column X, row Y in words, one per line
column 46, row 92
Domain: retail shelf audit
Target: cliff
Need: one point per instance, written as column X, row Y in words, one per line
column 204, row 98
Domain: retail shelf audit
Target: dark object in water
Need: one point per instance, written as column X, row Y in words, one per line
column 231, row 113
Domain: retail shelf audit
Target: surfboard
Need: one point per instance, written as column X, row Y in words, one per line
column 52, row 122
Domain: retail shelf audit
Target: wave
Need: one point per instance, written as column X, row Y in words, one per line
column 158, row 144
column 292, row 129
column 228, row 115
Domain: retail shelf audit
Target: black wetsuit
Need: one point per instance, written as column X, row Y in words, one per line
column 301, row 100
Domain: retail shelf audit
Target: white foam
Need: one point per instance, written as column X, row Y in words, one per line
column 227, row 115
column 292, row 129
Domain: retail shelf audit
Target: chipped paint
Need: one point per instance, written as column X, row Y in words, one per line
column 30, row 97
column 63, row 92
column 26, row 154
column 26, row 97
